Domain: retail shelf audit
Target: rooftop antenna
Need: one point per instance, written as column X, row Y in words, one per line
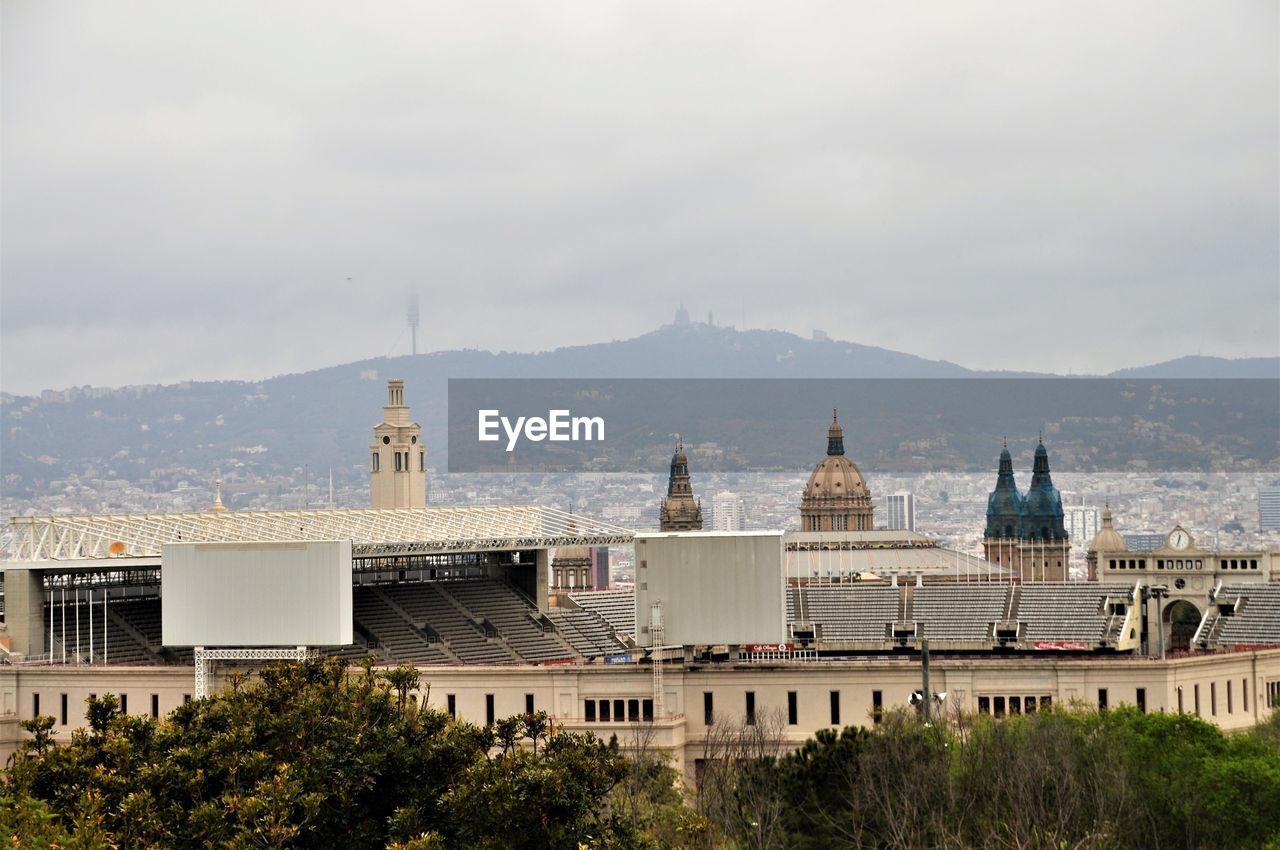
column 413, row 322
column 331, row 488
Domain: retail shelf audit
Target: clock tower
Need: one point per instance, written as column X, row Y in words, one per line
column 397, row 457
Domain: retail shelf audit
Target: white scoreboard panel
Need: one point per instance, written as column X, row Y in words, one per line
column 256, row 594
column 715, row 587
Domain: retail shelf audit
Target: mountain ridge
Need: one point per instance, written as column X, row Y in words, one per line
column 165, row 435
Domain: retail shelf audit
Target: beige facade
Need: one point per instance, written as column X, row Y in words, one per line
column 1233, row 690
column 397, row 456
column 1182, row 570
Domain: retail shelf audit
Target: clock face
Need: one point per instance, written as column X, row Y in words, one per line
column 1179, row 539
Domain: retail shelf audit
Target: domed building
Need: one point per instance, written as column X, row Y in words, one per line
column 1106, row 540
column 571, row 567
column 679, row 510
column 836, row 497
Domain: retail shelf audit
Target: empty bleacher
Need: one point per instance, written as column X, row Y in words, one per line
column 1067, row 610
column 425, row 602
column 1254, row 617
column 398, row 639
column 951, row 613
column 845, row 612
column 618, row 607
column 511, row 614
column 586, row 631
column 121, row 645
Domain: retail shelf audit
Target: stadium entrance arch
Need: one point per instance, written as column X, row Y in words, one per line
column 1182, row 618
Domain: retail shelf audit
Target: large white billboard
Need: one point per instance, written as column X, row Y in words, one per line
column 715, row 587
column 256, row 594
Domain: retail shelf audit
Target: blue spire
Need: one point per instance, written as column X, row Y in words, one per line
column 1005, row 504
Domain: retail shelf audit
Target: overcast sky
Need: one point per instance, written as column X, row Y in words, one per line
column 242, row 189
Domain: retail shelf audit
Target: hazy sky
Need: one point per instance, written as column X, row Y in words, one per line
column 241, row 189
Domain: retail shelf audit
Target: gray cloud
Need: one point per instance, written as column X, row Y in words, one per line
column 1069, row 186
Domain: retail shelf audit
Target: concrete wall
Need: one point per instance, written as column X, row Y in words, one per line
column 24, row 611
column 561, row 690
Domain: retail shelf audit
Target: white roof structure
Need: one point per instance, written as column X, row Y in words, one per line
column 402, row 531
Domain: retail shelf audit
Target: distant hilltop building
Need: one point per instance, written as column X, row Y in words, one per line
column 1269, row 508
column 1143, row 541
column 398, row 459
column 836, row 497
column 679, row 510
column 1081, row 521
column 1026, row 533
column 900, row 512
column 726, row 512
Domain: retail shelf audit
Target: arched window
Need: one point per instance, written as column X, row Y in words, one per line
column 399, row 462
column 375, row 463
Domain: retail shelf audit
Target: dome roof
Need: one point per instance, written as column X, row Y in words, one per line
column 1107, row 539
column 835, row 476
column 566, row 554
column 679, row 458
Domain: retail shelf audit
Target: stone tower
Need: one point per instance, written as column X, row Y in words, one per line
column 680, row 511
column 398, row 459
column 1026, row 534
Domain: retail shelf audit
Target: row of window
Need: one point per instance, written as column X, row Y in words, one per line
column 63, row 705
column 630, row 710
column 1213, row 697
column 793, row 707
column 839, row 522
column 401, row 462
column 451, row 706
column 997, row 705
column 1183, row 563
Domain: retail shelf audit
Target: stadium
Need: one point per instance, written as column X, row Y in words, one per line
column 824, row 627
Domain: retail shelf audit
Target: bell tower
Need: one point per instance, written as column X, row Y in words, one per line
column 397, row 457
column 679, row 511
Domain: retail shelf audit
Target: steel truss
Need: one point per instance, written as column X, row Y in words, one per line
column 205, row 657
column 374, row 533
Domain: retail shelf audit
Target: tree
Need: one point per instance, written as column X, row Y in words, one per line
column 310, row 756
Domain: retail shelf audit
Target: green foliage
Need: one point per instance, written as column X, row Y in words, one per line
column 1056, row 779
column 309, row 756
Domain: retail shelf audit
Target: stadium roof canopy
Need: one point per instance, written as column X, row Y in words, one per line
column 374, row 533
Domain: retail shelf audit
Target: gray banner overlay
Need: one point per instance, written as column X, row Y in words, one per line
column 897, row 426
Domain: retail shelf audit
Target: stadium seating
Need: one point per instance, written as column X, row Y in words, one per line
column 943, row 613
column 586, row 631
column 122, row 647
column 1254, row 616
column 428, row 604
column 1067, row 610
column 396, row 636
column 511, row 614
column 618, row 607
column 845, row 612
